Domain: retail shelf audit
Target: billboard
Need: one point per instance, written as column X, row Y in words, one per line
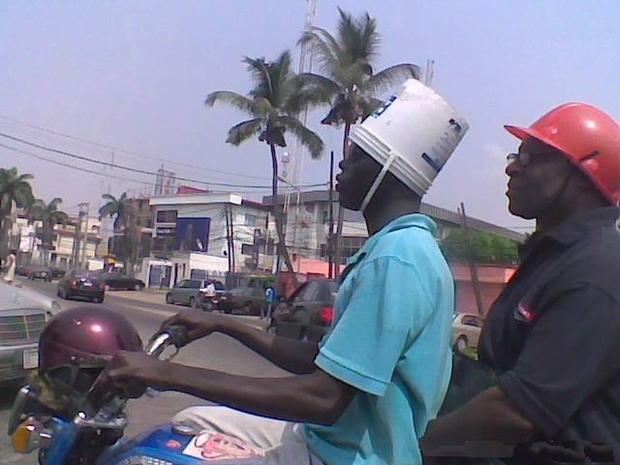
column 192, row 234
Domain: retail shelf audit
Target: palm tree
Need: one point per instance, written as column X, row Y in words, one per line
column 349, row 82
column 50, row 216
column 273, row 105
column 14, row 190
column 122, row 209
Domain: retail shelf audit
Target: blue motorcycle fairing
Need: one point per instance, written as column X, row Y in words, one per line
column 162, row 446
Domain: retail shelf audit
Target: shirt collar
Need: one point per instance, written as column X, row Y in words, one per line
column 406, row 221
column 574, row 228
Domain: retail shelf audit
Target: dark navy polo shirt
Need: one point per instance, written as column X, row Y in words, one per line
column 553, row 335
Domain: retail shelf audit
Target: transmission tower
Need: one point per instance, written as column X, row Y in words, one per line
column 305, row 66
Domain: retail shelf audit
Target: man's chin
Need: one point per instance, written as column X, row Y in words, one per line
column 348, row 205
column 521, row 212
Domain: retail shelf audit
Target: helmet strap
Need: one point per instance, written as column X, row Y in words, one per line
column 375, row 185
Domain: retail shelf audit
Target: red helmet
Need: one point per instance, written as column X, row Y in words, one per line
column 77, row 343
column 588, row 136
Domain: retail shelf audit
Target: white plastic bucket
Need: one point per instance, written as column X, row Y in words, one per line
column 412, row 135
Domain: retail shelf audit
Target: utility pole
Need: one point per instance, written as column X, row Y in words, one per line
column 84, row 212
column 232, row 239
column 330, row 237
column 472, row 265
column 76, row 241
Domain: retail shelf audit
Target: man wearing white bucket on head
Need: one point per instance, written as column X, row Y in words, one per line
column 367, row 391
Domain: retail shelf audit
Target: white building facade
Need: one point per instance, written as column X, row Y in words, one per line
column 205, row 235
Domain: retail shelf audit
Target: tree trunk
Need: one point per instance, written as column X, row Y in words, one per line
column 338, row 253
column 277, row 215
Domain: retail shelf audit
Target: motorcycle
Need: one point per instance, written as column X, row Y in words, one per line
column 93, row 433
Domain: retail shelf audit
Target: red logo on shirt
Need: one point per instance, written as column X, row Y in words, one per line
column 525, row 313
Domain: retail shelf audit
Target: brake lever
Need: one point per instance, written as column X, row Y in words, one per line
column 173, row 335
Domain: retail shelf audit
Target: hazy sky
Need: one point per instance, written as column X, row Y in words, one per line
column 134, row 75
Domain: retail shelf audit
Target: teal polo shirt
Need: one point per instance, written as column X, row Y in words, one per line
column 390, row 339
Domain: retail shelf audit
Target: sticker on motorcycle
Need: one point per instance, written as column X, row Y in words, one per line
column 217, row 446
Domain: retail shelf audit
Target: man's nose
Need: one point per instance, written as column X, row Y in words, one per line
column 513, row 168
column 341, row 164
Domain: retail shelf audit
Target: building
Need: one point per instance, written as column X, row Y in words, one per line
column 307, row 224
column 71, row 244
column 218, row 232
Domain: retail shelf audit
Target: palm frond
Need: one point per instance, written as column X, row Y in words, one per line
column 233, row 99
column 308, row 91
column 308, row 138
column 327, row 50
column 319, row 84
column 243, row 131
column 358, row 37
column 257, row 67
column 390, row 77
column 368, row 105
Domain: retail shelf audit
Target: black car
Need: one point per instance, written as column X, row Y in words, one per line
column 120, row 282
column 81, row 283
column 39, row 272
column 308, row 313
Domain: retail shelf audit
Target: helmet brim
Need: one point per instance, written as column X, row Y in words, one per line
column 523, row 133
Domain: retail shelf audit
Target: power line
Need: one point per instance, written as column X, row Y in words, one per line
column 129, row 152
column 86, row 170
column 136, row 170
column 107, row 175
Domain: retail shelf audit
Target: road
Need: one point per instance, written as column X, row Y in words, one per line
column 146, row 311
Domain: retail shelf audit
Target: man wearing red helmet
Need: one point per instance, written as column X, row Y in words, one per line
column 552, row 338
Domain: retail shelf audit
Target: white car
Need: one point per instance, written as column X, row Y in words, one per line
column 22, row 296
column 23, row 316
column 466, row 330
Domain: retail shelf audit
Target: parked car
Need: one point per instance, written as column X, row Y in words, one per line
column 21, row 270
column 243, row 300
column 39, row 272
column 28, row 296
column 57, row 273
column 308, row 313
column 22, row 319
column 119, row 281
column 191, row 292
column 466, row 330
column 81, row 283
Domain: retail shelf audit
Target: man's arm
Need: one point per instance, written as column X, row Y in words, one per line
column 289, row 354
column 570, row 353
column 314, row 398
column 488, row 425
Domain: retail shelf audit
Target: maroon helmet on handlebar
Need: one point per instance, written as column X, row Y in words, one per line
column 77, row 343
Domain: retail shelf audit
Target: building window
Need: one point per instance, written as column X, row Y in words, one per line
column 250, row 219
column 247, row 249
column 167, row 216
column 350, row 246
column 271, row 247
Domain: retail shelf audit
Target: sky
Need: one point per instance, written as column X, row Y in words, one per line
column 131, row 77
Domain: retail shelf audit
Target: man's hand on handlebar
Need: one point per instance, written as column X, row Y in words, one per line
column 197, row 323
column 133, row 372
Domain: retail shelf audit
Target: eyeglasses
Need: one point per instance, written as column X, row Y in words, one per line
column 523, row 157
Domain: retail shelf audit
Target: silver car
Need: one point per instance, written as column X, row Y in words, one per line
column 22, row 319
column 188, row 292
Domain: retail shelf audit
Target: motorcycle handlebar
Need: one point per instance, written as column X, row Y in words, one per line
column 172, row 335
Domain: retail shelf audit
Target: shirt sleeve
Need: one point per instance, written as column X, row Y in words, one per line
column 570, row 353
column 389, row 304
